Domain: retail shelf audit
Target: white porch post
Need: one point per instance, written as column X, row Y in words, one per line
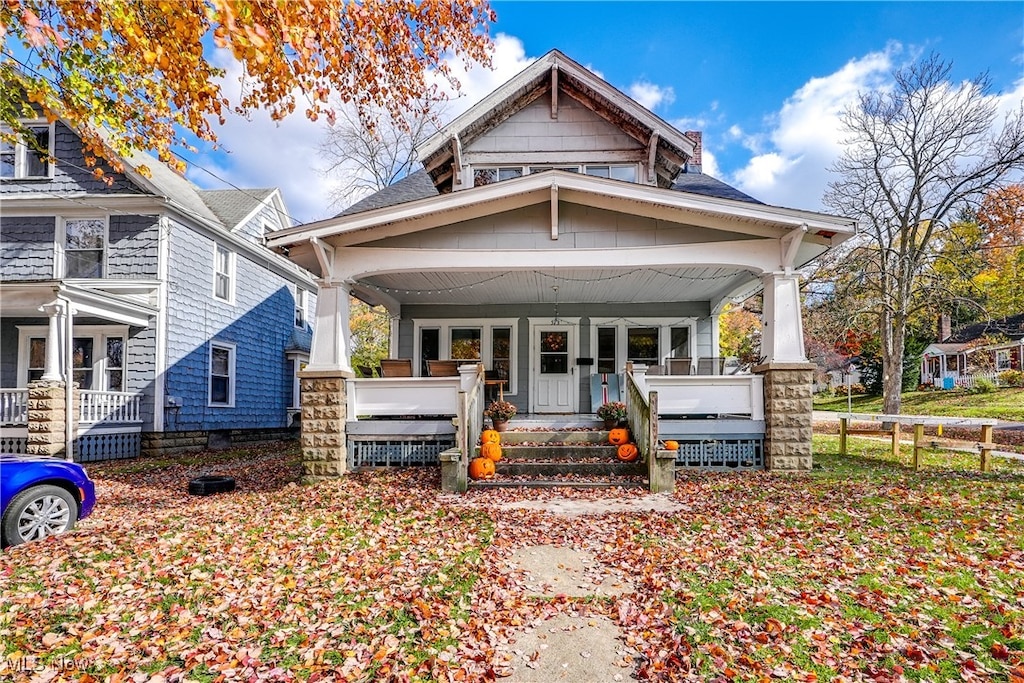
column 783, row 338
column 331, row 336
column 52, row 369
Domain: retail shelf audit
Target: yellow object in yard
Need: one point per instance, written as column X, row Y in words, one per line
column 939, row 430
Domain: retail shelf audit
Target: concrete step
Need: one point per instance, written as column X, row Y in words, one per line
column 554, row 437
column 567, row 451
column 539, row 483
column 561, row 468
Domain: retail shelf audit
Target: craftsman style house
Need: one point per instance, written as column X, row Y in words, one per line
column 961, row 357
column 558, row 234
column 159, row 300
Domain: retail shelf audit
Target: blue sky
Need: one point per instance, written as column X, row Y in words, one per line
column 764, row 81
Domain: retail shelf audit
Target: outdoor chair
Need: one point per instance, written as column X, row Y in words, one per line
column 710, row 366
column 443, row 368
column 678, row 366
column 396, row 367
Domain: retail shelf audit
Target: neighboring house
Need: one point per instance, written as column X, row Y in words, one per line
column 558, row 233
column 185, row 329
column 982, row 350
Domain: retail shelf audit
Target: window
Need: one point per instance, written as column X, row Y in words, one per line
column 430, row 347
column 541, row 169
column 679, row 338
column 36, row 358
column 25, row 161
column 300, row 308
column 223, row 273
column 115, row 363
column 465, row 344
column 606, row 349
column 554, row 352
column 84, row 242
column 642, row 345
column 489, row 176
column 81, row 356
column 97, row 355
column 626, row 173
column 1003, row 360
column 222, row 373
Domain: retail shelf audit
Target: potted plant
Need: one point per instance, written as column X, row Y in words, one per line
column 500, row 413
column 612, row 413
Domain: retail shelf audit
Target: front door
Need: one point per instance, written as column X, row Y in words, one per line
column 553, row 370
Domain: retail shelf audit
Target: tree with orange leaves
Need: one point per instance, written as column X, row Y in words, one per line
column 136, row 74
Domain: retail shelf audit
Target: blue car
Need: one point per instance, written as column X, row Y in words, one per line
column 41, row 497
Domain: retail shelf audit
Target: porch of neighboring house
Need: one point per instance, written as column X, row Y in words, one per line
column 962, row 366
column 54, row 331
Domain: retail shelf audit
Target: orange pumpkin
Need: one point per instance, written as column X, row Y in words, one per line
column 490, row 436
column 627, row 452
column 491, row 451
column 481, row 468
column 672, row 445
column 618, row 436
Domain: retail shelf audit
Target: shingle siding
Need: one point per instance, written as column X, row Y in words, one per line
column 133, row 247
column 140, row 370
column 26, row 247
column 259, row 324
column 70, row 172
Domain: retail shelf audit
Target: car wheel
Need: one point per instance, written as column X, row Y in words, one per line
column 39, row 512
column 210, row 484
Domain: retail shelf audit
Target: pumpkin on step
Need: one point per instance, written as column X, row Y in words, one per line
column 491, row 451
column 481, row 468
column 627, row 452
column 618, row 436
column 490, row 436
column 672, row 445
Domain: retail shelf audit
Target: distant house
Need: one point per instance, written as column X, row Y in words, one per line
column 184, row 329
column 560, row 237
column 981, row 350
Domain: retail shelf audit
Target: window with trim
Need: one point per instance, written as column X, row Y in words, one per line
column 97, row 355
column 606, row 349
column 300, row 308
column 642, row 345
column 501, row 352
column 85, row 242
column 495, row 174
column 465, row 343
column 222, row 374
column 491, row 342
column 22, row 161
column 1003, row 360
column 223, row 273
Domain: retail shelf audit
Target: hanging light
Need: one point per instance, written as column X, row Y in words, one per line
column 556, row 320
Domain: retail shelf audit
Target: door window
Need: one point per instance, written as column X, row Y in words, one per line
column 554, row 352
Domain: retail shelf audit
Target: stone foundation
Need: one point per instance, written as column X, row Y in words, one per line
column 47, row 424
column 787, row 413
column 324, row 411
column 174, row 443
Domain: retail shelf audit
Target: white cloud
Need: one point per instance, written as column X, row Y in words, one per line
column 790, row 160
column 735, row 132
column 709, row 163
column 650, row 95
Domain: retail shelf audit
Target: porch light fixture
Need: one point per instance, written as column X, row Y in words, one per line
column 556, row 320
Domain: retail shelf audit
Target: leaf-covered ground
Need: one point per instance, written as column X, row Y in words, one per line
column 860, row 570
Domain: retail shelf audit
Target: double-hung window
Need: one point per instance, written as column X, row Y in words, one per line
column 31, row 160
column 1003, row 361
column 300, row 308
column 85, row 242
column 223, row 273
column 222, row 374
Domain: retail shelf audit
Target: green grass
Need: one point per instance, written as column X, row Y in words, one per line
column 1003, row 404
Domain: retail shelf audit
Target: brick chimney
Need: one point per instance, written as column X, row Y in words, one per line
column 693, row 165
column 945, row 328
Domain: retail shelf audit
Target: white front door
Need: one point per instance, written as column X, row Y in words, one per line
column 554, row 385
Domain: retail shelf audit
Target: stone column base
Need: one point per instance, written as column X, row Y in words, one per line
column 324, row 411
column 787, row 412
column 47, row 419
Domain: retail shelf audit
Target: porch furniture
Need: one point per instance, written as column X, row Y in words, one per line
column 678, row 366
column 396, row 367
column 443, row 368
column 492, row 381
column 657, row 370
column 711, row 365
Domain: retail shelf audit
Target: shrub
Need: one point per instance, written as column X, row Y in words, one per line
column 1011, row 378
column 858, row 388
column 983, row 386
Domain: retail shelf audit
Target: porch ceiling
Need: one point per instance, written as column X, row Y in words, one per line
column 580, row 286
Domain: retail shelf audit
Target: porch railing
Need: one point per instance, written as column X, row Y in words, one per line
column 642, row 413
column 109, row 406
column 470, row 420
column 718, row 395
column 13, row 406
column 397, row 396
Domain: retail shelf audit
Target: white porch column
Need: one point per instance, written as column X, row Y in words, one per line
column 332, row 334
column 52, row 370
column 782, row 340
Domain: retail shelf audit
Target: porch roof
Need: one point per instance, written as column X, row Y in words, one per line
column 128, row 302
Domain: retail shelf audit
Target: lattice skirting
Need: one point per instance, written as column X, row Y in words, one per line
column 14, row 444
column 107, row 446
column 721, row 454
column 364, row 452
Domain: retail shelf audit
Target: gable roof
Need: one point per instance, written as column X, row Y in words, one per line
column 234, row 206
column 555, row 73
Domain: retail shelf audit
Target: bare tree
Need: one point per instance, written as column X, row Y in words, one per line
column 917, row 154
column 369, row 150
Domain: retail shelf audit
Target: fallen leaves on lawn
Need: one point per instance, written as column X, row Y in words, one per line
column 870, row 576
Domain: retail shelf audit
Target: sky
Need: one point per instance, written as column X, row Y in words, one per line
column 764, row 81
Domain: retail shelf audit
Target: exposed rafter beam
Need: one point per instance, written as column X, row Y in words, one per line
column 790, row 243
column 456, row 159
column 324, row 256
column 652, row 153
column 554, row 91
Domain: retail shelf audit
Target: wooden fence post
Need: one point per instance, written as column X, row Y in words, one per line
column 896, row 441
column 843, row 424
column 918, row 439
column 986, row 448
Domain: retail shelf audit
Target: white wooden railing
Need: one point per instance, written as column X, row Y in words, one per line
column 394, row 396
column 721, row 395
column 13, row 406
column 109, row 406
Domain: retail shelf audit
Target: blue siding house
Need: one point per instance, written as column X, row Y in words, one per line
column 159, row 299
